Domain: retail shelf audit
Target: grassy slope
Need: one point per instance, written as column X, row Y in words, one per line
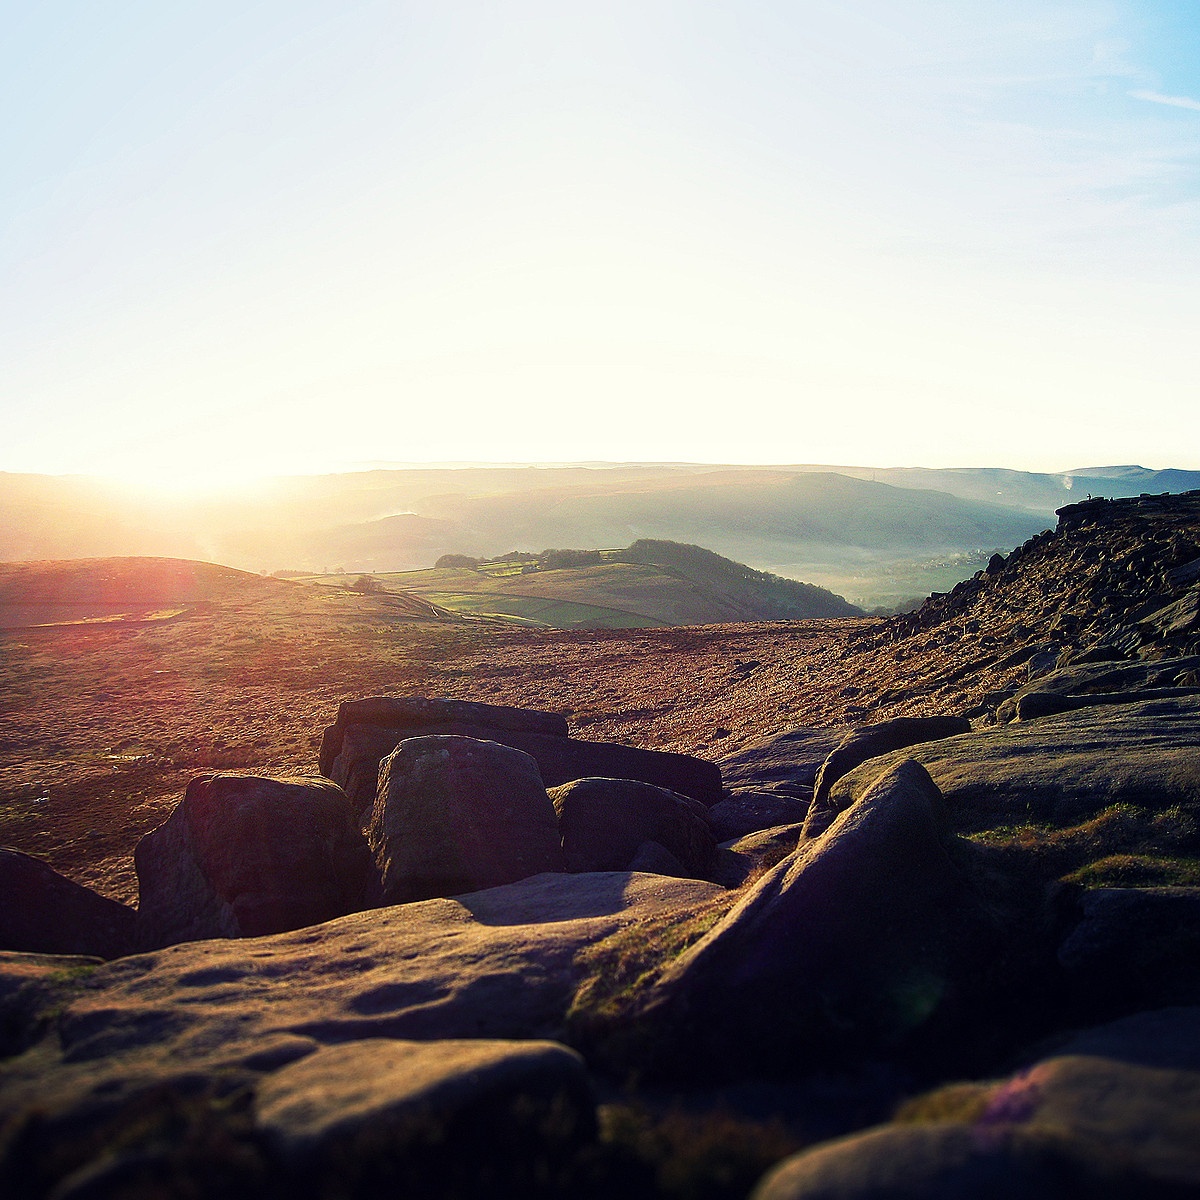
column 673, row 585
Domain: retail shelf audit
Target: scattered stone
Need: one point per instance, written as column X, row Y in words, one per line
column 245, row 855
column 604, row 822
column 44, row 912
column 456, row 814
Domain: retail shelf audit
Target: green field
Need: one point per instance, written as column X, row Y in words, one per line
column 643, row 586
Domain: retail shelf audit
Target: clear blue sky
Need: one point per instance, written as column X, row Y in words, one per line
column 299, row 236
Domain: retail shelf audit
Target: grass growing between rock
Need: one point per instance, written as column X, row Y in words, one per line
column 1123, row 846
column 1138, row 870
column 683, row 1155
column 621, row 970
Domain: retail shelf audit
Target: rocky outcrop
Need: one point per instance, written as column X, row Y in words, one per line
column 246, row 855
column 869, row 742
column 1061, row 770
column 456, row 814
column 604, row 822
column 42, row 911
column 874, row 936
column 366, row 731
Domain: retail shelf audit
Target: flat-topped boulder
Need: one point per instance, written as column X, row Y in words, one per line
column 423, row 713
column 748, row 810
column 368, row 730
column 246, row 855
column 457, row 814
column 43, row 911
column 785, row 762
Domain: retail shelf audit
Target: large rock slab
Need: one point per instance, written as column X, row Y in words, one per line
column 1114, row 1113
column 354, row 746
column 501, row 963
column 1059, row 770
column 152, row 1069
column 428, row 1118
column 603, row 823
column 873, row 938
column 43, row 911
column 245, row 855
column 457, row 814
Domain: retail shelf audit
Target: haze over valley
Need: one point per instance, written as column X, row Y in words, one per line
column 878, row 537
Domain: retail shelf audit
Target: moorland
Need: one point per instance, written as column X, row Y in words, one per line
column 951, row 921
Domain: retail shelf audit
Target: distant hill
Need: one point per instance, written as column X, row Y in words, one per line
column 876, row 535
column 91, row 589
column 650, row 583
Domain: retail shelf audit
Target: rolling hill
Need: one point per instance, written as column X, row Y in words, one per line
column 650, row 583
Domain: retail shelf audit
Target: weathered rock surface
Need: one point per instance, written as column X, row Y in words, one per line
column 1115, row 1113
column 745, row 811
column 658, row 860
column 871, row 741
column 43, row 911
column 1059, row 770
column 129, row 1053
column 738, row 858
column 785, row 762
column 245, row 855
column 1081, row 686
column 427, row 1118
column 457, row 814
column 498, row 963
column 603, row 823
column 868, row 938
column 366, row 731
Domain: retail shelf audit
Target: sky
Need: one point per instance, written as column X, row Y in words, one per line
column 295, row 236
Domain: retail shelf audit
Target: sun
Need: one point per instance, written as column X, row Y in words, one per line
column 188, row 479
